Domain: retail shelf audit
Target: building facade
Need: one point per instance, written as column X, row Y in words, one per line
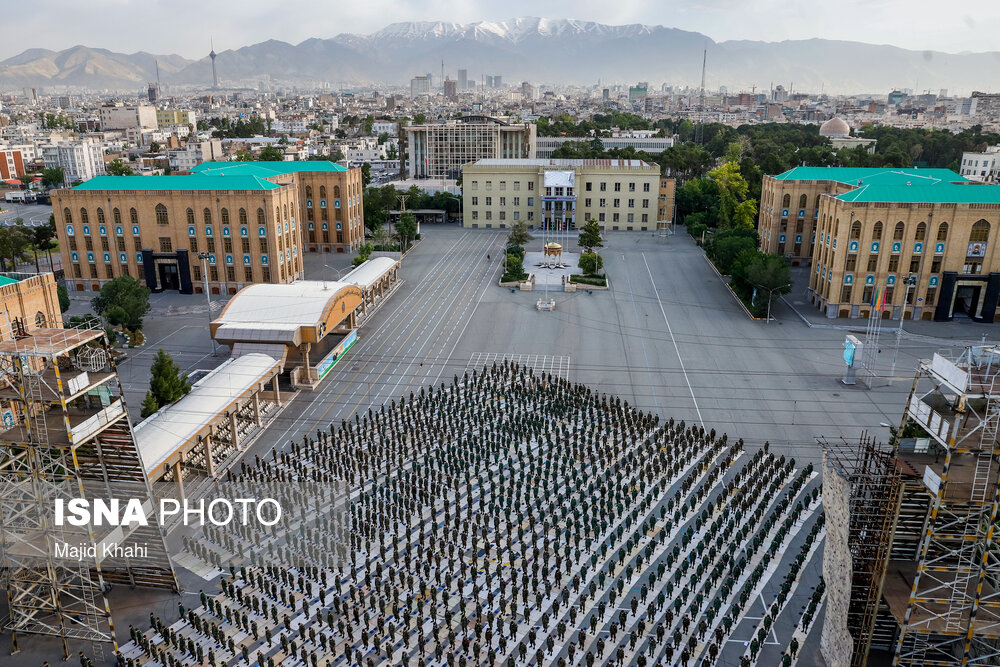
column 545, row 146
column 440, row 150
column 560, row 194
column 125, row 117
column 80, row 160
column 30, row 298
column 168, row 117
column 872, row 229
column 194, row 153
column 983, row 167
column 253, row 220
column 11, row 164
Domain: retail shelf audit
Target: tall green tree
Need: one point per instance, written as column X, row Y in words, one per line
column 366, row 174
column 63, row 294
column 771, row 277
column 406, row 229
column 117, row 167
column 14, row 244
column 590, row 236
column 519, row 234
column 149, row 405
column 271, row 154
column 123, row 301
column 167, row 384
column 53, row 177
column 591, row 263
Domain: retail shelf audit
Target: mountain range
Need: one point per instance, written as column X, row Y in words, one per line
column 534, row 49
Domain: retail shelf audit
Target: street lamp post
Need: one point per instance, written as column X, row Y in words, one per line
column 339, row 272
column 770, row 292
column 910, row 281
column 203, row 256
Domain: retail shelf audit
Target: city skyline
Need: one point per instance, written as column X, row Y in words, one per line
column 971, row 30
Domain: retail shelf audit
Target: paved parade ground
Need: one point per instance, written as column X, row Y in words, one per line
column 667, row 338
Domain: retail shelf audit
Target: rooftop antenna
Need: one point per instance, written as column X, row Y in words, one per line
column 442, row 74
column 699, row 131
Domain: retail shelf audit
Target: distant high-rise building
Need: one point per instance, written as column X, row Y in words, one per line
column 636, row 93
column 390, row 102
column 606, row 94
column 439, row 150
column 450, row 89
column 152, row 92
column 215, row 76
column 527, row 91
column 463, row 79
column 420, row 85
column 497, row 81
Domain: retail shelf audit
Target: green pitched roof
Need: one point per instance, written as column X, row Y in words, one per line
column 268, row 169
column 192, row 182
column 851, row 175
column 4, row 280
column 945, row 193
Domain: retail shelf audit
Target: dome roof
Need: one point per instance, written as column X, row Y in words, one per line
column 835, row 127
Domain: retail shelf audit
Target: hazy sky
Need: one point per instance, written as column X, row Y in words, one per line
column 185, row 26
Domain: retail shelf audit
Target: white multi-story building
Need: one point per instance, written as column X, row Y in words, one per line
column 545, row 146
column 80, row 160
column 196, row 152
column 439, row 150
column 983, row 167
column 121, row 117
column 420, row 85
column 384, row 127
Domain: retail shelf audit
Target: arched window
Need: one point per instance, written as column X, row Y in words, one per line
column 243, row 216
column 980, row 232
column 855, row 230
column 207, row 214
column 286, row 212
column 336, row 192
column 260, row 216
column 161, row 215
column 133, row 215
column 67, row 216
column 225, row 216
column 277, row 213
column 786, row 201
column 309, row 192
column 84, row 218
column 817, row 202
column 190, row 216
column 877, row 231
column 100, row 216
column 897, row 233
column 942, row 231
column 921, row 231
column 117, row 215
column 802, row 201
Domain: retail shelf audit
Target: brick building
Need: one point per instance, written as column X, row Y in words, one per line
column 252, row 219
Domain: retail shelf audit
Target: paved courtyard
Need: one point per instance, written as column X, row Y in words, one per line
column 667, row 337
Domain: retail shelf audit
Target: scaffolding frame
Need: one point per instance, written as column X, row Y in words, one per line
column 66, row 434
column 876, row 488
column 953, row 612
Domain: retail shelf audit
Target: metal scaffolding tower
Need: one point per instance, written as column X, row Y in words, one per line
column 875, row 488
column 66, row 434
column 952, row 614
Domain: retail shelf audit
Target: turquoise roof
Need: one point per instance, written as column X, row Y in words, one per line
column 192, row 182
column 944, row 193
column 268, row 169
column 851, row 175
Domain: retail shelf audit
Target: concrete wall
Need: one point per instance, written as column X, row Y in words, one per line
column 836, row 643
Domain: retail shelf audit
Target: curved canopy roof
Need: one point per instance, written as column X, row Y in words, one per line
column 302, row 311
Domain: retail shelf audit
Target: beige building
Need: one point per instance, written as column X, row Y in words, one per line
column 124, row 117
column 877, row 228
column 252, row 220
column 29, row 298
column 439, row 150
column 561, row 194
